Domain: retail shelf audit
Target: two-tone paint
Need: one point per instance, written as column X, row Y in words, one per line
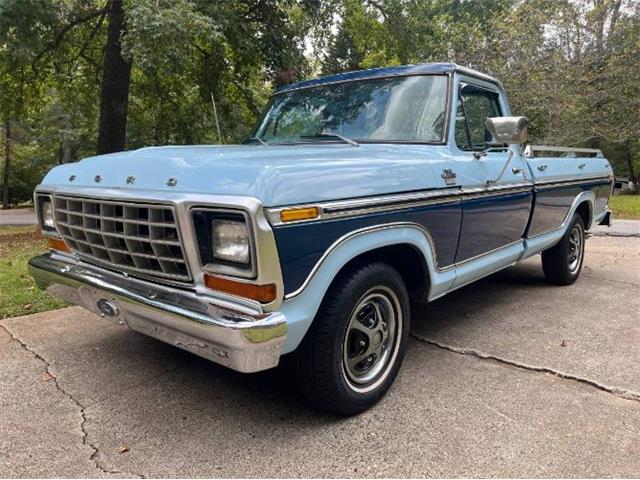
column 444, row 203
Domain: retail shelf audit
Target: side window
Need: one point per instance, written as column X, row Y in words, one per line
column 475, row 105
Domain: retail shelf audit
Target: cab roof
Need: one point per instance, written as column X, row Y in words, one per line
column 403, row 70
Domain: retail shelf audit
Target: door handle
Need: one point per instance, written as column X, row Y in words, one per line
column 542, row 167
column 582, row 165
column 516, row 170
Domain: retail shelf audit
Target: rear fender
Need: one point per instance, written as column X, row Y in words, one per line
column 547, row 240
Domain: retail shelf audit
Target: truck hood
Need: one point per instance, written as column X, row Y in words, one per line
column 276, row 175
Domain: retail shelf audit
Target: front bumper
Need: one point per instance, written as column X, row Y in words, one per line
column 233, row 338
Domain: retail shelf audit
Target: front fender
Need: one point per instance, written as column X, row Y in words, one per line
column 301, row 306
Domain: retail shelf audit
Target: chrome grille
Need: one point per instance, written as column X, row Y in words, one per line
column 136, row 238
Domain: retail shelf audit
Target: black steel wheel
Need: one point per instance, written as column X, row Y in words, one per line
column 354, row 349
column 563, row 262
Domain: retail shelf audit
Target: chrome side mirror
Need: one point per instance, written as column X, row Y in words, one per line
column 508, row 130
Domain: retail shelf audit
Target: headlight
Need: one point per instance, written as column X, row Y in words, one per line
column 47, row 215
column 225, row 242
column 230, row 241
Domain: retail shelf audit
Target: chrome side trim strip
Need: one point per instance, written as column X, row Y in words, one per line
column 385, row 203
column 484, row 254
column 552, row 183
column 329, row 212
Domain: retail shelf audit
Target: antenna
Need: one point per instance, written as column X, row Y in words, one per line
column 215, row 116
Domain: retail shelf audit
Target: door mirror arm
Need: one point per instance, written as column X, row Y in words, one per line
column 512, row 152
column 483, row 153
column 492, row 148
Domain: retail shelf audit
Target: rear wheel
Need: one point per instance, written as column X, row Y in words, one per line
column 356, row 344
column 563, row 262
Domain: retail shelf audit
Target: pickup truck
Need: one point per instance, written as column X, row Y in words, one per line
column 356, row 194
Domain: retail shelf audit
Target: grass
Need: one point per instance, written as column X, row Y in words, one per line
column 19, row 294
column 625, row 206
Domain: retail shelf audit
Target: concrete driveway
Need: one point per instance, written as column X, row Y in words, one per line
column 507, row 377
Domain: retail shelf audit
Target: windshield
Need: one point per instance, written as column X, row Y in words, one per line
column 400, row 109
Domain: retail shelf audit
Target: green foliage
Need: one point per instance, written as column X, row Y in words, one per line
column 161, row 34
column 571, row 66
column 186, row 55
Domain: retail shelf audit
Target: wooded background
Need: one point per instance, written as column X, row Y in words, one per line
column 80, row 77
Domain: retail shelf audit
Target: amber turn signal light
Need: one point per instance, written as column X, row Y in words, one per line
column 295, row 214
column 260, row 293
column 57, row 244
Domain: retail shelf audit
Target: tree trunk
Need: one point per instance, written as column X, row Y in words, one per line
column 632, row 174
column 7, row 164
column 65, row 152
column 116, row 77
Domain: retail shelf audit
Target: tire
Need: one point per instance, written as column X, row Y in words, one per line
column 356, row 344
column 563, row 262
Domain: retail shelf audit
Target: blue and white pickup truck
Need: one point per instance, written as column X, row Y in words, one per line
column 355, row 194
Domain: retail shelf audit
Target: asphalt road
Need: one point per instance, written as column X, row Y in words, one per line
column 508, row 377
column 18, row 216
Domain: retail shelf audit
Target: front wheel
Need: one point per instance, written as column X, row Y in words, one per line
column 562, row 263
column 355, row 346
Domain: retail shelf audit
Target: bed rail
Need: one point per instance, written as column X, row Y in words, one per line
column 533, row 151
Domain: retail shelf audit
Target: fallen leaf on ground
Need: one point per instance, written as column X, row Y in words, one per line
column 46, row 376
column 563, row 343
column 123, row 448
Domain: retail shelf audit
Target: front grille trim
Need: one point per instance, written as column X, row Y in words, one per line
column 138, row 238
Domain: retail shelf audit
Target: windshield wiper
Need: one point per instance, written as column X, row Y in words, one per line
column 328, row 134
column 256, row 139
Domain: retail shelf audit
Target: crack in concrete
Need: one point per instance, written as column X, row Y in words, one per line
column 81, row 407
column 619, row 392
column 622, row 282
column 616, row 234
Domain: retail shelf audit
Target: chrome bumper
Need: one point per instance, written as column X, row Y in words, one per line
column 236, row 339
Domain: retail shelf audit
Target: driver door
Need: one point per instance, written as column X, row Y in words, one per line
column 494, row 214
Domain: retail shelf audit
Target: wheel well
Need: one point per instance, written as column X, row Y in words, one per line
column 584, row 210
column 405, row 258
